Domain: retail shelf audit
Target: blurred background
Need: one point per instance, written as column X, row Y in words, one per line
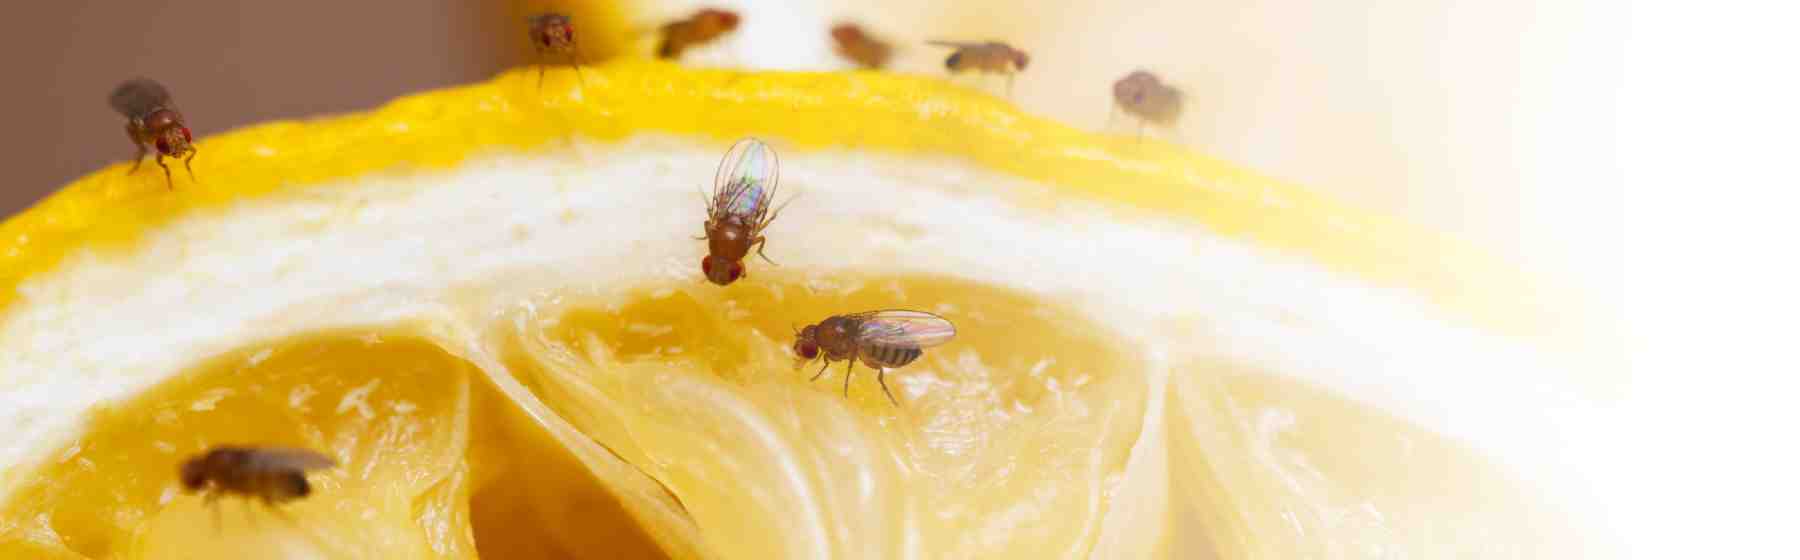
column 1495, row 121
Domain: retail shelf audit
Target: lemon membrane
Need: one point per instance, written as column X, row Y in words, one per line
column 1115, row 390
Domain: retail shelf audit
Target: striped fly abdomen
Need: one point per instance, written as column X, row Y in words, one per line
column 879, row 356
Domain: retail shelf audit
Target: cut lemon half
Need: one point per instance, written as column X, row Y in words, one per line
column 485, row 303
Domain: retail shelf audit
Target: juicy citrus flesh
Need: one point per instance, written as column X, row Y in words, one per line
column 1002, row 444
column 432, row 464
column 1008, row 442
column 1031, row 411
column 1278, row 469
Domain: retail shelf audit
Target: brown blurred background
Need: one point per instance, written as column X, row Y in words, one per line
column 228, row 64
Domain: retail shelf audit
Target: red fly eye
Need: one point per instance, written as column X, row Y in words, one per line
column 737, row 270
column 807, row 350
column 185, row 133
column 162, row 145
column 706, row 265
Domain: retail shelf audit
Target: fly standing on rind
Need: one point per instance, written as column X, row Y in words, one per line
column 153, row 122
column 1143, row 95
column 990, row 57
column 858, row 46
column 881, row 339
column 553, row 33
column 700, row 28
column 740, row 207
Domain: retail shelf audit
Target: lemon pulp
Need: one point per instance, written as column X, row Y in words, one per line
column 419, row 435
column 1031, row 410
column 1010, row 441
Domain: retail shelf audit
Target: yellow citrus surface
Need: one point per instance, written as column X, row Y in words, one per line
column 898, row 114
column 546, row 413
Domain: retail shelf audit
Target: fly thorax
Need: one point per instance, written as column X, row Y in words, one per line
column 836, row 338
column 729, row 240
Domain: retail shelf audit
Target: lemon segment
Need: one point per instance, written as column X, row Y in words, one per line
column 1283, row 470
column 1006, row 443
column 429, row 467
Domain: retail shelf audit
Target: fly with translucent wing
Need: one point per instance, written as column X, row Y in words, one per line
column 740, row 207
column 858, row 46
column 881, row 339
column 987, row 57
column 1145, row 96
column 151, row 120
column 697, row 29
column 553, row 33
column 273, row 474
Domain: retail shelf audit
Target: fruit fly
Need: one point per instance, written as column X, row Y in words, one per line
column 881, row 339
column 696, row 29
column 739, row 209
column 274, row 474
column 992, row 57
column 1142, row 95
column 153, row 121
column 854, row 44
column 553, row 33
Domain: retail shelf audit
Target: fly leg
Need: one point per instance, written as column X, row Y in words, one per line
column 540, row 63
column 137, row 161
column 848, row 367
column 759, row 250
column 250, row 514
column 167, row 176
column 764, row 223
column 576, row 62
column 188, row 162
column 275, row 508
column 212, row 503
column 881, row 377
column 131, row 132
column 815, row 376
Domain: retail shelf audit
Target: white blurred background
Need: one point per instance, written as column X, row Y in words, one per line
column 1494, row 120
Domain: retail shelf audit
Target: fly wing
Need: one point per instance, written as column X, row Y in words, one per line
column 547, row 19
column 287, row 458
column 953, row 44
column 746, row 181
column 138, row 97
column 900, row 327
